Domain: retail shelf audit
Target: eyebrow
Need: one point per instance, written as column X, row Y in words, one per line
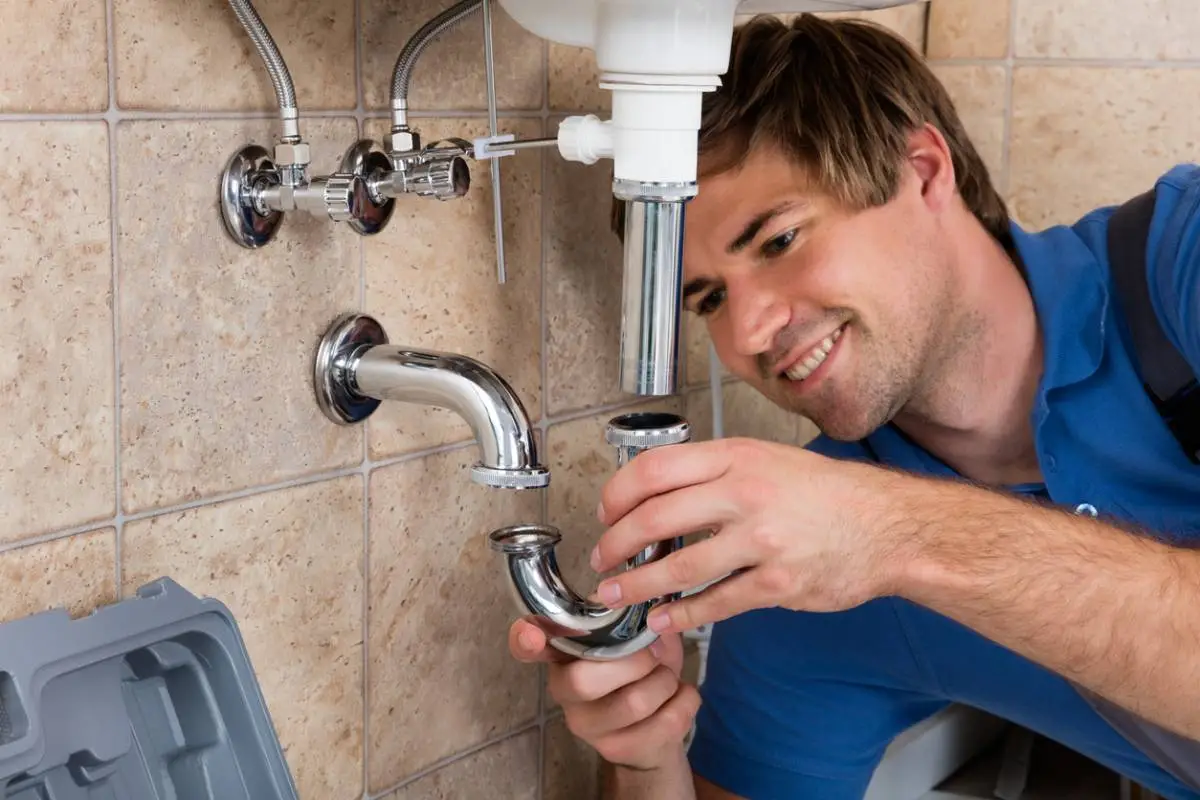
column 755, row 226
column 695, row 287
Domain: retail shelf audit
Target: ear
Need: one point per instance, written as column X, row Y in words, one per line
column 933, row 166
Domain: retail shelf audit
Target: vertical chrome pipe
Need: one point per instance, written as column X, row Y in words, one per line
column 652, row 291
column 578, row 627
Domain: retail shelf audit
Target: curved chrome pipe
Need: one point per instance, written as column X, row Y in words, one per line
column 356, row 369
column 281, row 79
column 581, row 628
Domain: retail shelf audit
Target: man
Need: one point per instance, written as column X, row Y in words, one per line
column 996, row 514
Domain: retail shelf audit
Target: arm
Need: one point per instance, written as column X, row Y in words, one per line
column 1116, row 612
column 673, row 782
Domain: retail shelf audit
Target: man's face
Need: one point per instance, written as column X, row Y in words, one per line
column 830, row 313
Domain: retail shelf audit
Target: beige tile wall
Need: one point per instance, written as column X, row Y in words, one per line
column 1074, row 103
column 159, row 417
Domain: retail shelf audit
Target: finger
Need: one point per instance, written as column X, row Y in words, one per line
column 688, row 568
column 587, row 681
column 627, row 706
column 660, row 470
column 670, row 725
column 528, row 643
column 663, row 517
column 734, row 595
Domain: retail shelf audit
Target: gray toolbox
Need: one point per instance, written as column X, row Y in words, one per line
column 152, row 698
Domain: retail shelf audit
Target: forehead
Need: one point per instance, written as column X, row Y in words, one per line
column 728, row 201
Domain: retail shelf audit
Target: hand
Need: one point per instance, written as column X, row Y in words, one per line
column 634, row 712
column 791, row 528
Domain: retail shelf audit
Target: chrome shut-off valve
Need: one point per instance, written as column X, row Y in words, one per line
column 577, row 626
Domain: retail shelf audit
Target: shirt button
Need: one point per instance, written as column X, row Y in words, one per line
column 1087, row 508
column 1051, row 463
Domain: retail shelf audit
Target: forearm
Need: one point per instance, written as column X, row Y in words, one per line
column 672, row 781
column 1116, row 612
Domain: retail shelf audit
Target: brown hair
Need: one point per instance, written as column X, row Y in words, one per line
column 841, row 97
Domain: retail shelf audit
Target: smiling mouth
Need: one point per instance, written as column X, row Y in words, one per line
column 808, row 363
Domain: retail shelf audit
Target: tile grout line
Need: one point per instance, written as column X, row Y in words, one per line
column 1009, row 81
column 111, row 119
column 545, row 347
column 216, row 114
column 364, row 470
column 454, row 758
column 1068, row 63
column 238, row 494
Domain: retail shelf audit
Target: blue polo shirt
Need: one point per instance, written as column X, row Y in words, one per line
column 801, row 705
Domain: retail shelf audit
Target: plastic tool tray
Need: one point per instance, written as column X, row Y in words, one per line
column 152, row 698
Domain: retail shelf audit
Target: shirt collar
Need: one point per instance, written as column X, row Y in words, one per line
column 1071, row 297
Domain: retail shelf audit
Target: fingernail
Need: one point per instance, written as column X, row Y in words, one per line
column 528, row 640
column 596, row 559
column 656, row 649
column 600, row 511
column 610, row 593
column 659, row 621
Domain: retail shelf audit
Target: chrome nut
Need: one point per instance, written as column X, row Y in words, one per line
column 288, row 155
column 402, row 141
column 342, row 194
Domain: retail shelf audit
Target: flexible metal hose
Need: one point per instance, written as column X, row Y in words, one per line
column 285, row 92
column 402, row 74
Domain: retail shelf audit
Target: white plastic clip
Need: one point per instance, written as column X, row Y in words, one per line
column 483, row 146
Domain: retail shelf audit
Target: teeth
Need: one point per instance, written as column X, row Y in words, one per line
column 814, row 358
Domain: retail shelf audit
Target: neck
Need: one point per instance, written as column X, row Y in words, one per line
column 974, row 403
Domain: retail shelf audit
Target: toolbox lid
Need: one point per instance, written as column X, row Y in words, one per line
column 151, row 698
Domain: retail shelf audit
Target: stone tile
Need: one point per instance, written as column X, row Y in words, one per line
column 1086, row 137
column 583, row 287
column 748, row 414
column 288, row 564
column 217, row 341
column 907, row 20
column 431, row 281
column 574, row 81
column 968, row 28
column 572, row 768
column 441, row 679
column 980, row 96
column 508, row 769
column 194, row 55
column 77, row 573
column 75, row 78
column 1143, row 29
column 56, row 270
column 451, row 74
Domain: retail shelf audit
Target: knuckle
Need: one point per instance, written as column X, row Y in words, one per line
column 681, row 568
column 578, row 681
column 679, row 717
column 765, row 538
column 637, row 703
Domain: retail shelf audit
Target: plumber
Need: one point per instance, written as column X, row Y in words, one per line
column 996, row 512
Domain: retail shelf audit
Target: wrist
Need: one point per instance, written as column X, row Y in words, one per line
column 669, row 779
column 916, row 527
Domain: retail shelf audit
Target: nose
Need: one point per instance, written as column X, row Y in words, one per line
column 757, row 314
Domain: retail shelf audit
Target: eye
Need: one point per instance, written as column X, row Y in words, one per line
column 780, row 244
column 710, row 302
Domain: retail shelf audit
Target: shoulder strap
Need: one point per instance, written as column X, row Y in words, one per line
column 1168, row 377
